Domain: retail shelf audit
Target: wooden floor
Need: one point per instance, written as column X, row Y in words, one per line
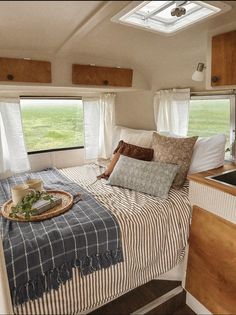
column 140, row 297
column 185, row 310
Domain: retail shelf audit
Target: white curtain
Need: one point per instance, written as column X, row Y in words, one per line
column 13, row 154
column 99, row 120
column 171, row 111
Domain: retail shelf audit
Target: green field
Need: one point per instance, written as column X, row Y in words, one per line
column 209, row 117
column 52, row 126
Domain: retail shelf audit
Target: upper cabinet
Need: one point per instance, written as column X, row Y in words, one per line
column 21, row 70
column 223, row 61
column 103, row 76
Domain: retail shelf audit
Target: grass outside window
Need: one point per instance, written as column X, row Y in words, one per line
column 50, row 124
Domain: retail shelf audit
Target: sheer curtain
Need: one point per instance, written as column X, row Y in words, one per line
column 99, row 120
column 171, row 111
column 13, row 154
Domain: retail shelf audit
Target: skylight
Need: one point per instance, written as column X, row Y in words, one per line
column 168, row 16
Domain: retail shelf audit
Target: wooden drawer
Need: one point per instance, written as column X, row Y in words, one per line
column 211, row 269
column 21, row 70
column 103, row 76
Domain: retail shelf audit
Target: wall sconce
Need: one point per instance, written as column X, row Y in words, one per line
column 198, row 75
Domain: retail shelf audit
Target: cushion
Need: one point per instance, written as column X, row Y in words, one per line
column 153, row 178
column 130, row 150
column 134, row 151
column 142, row 138
column 174, row 150
column 208, row 153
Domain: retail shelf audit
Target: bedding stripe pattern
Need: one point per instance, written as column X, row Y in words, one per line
column 154, row 234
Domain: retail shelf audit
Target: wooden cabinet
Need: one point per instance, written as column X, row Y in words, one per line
column 211, row 265
column 223, row 66
column 21, row 70
column 211, row 270
column 103, row 76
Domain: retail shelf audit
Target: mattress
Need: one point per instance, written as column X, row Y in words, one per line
column 154, row 235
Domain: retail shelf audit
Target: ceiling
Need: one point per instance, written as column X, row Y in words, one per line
column 83, row 28
column 50, row 25
column 65, row 26
column 41, row 25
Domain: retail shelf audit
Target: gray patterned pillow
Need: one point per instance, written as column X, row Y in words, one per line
column 153, row 178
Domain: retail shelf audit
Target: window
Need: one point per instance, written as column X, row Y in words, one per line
column 159, row 16
column 52, row 124
column 210, row 115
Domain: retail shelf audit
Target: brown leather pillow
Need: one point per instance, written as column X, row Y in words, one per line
column 134, row 151
column 129, row 150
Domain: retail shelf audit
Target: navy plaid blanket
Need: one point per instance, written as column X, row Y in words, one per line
column 40, row 255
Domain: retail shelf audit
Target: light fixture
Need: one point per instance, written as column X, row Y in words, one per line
column 198, row 75
column 179, row 10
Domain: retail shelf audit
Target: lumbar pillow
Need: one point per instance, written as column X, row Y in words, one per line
column 208, row 153
column 174, row 150
column 153, row 178
column 130, row 150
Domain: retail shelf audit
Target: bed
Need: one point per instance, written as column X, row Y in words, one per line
column 154, row 235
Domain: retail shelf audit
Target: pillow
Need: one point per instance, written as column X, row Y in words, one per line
column 174, row 150
column 134, row 151
column 142, row 138
column 130, row 150
column 153, row 178
column 208, row 153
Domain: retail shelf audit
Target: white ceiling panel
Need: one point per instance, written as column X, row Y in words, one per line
column 41, row 25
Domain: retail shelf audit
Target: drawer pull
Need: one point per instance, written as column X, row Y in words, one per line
column 105, row 82
column 215, row 79
column 10, row 77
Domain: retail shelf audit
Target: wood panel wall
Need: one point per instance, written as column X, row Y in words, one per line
column 95, row 75
column 21, row 70
column 211, row 269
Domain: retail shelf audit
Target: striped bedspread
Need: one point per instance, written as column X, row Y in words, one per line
column 154, row 234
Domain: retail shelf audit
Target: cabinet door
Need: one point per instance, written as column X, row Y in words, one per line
column 95, row 75
column 20, row 70
column 211, row 269
column 223, row 67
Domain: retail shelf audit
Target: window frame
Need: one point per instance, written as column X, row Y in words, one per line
column 134, row 6
column 231, row 97
column 79, row 98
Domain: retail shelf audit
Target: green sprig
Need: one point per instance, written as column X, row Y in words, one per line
column 25, row 207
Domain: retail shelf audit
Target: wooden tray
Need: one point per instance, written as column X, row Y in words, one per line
column 67, row 203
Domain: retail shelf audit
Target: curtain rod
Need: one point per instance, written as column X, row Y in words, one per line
column 214, row 92
column 52, row 97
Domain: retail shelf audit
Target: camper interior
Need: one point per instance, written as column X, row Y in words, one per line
column 117, row 157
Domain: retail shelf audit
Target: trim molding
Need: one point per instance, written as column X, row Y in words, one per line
column 196, row 306
column 162, row 299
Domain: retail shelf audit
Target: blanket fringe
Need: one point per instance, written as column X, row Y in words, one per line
column 52, row 279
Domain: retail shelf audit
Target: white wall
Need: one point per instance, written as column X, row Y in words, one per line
column 135, row 110
column 57, row 159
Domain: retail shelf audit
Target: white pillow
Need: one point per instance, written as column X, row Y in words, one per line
column 142, row 138
column 208, row 153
